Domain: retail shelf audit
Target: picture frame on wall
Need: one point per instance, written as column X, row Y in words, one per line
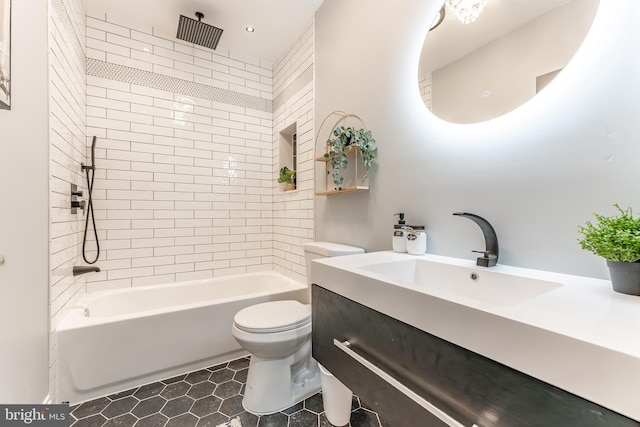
column 5, row 54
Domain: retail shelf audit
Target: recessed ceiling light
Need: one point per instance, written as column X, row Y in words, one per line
column 249, row 29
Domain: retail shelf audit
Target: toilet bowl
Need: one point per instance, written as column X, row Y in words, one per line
column 278, row 336
column 281, row 370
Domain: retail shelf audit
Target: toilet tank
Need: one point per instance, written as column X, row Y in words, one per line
column 315, row 250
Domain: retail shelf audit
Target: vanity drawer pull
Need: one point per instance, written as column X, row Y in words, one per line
column 345, row 346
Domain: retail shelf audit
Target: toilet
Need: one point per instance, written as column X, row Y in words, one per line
column 278, row 336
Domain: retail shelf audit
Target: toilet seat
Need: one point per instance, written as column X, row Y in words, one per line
column 274, row 316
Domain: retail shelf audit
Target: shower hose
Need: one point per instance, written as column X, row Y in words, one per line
column 90, row 178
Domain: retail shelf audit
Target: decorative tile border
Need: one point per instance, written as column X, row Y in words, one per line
column 303, row 79
column 158, row 81
column 74, row 37
column 58, row 6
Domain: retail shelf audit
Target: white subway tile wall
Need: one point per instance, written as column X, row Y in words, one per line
column 186, row 182
column 293, row 211
column 68, row 142
column 186, row 185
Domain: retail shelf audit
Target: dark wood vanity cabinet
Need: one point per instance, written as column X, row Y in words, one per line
column 412, row 378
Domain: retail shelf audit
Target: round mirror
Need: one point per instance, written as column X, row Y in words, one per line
column 510, row 50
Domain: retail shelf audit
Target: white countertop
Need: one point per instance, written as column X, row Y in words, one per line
column 581, row 336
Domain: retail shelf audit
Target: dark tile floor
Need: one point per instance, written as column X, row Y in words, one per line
column 204, row 398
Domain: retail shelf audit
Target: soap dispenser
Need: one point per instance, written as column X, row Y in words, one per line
column 416, row 239
column 399, row 243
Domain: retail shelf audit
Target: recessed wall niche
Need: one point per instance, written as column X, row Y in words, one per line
column 288, row 150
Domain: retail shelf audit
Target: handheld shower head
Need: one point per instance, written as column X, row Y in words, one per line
column 93, row 157
column 90, row 172
column 93, row 152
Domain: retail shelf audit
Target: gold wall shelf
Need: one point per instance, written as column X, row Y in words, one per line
column 354, row 176
column 344, row 190
column 354, row 181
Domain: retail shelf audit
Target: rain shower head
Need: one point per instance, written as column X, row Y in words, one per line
column 198, row 32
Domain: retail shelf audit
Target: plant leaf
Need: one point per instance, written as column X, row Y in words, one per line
column 616, row 238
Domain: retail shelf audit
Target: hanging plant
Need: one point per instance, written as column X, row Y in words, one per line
column 342, row 142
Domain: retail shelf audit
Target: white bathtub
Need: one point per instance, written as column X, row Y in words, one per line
column 115, row 340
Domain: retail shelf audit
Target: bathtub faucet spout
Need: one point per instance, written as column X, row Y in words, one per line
column 83, row 269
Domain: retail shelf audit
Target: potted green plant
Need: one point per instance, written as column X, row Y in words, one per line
column 616, row 239
column 288, row 177
column 339, row 145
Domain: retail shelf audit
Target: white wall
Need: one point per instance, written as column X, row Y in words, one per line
column 535, row 174
column 24, row 217
column 184, row 155
column 293, row 219
column 187, row 156
column 67, row 133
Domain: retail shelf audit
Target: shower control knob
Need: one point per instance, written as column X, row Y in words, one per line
column 1, row 260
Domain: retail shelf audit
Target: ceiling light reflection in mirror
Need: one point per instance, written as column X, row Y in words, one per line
column 474, row 72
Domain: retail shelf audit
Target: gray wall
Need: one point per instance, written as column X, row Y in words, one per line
column 536, row 173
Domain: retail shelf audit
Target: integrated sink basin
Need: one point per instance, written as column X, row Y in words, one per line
column 572, row 332
column 450, row 280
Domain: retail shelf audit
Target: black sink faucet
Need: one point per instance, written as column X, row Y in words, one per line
column 489, row 256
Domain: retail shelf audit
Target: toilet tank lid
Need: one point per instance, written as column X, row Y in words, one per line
column 330, row 249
